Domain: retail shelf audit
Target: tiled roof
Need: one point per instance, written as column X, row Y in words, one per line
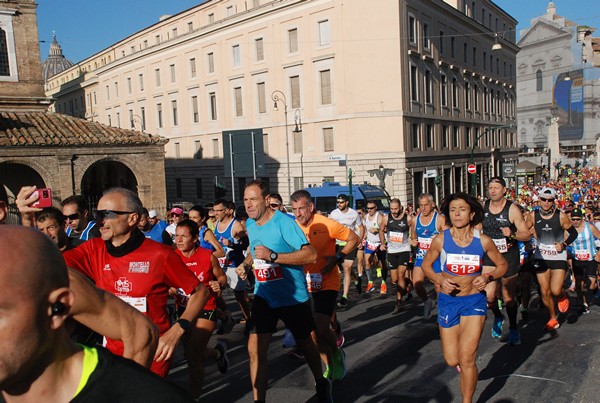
column 34, row 129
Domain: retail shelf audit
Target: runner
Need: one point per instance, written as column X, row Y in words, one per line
column 279, row 251
column 425, row 227
column 396, row 227
column 504, row 223
column 372, row 222
column 550, row 255
column 349, row 218
column 462, row 304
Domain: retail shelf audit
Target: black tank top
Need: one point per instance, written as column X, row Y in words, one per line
column 493, row 223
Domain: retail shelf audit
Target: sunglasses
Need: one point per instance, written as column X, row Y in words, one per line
column 109, row 214
column 371, row 208
column 342, row 201
column 274, row 205
column 546, row 200
column 72, row 217
column 575, row 219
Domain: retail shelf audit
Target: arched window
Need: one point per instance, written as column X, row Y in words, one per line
column 4, row 62
column 539, row 86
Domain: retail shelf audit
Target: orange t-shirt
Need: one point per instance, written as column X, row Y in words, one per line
column 322, row 233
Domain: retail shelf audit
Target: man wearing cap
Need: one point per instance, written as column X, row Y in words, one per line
column 349, row 218
column 584, row 259
column 504, row 223
column 550, row 256
column 176, row 215
column 152, row 230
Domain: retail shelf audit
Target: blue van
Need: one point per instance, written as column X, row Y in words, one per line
column 325, row 196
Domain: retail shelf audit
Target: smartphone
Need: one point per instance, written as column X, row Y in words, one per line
column 45, row 198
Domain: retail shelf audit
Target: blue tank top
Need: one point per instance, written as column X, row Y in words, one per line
column 583, row 248
column 203, row 243
column 85, row 234
column 425, row 233
column 462, row 260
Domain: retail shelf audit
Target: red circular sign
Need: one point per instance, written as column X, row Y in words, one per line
column 472, row 168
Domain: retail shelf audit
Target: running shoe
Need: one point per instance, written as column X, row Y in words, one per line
column 427, row 308
column 585, row 309
column 323, row 387
column 343, row 302
column 338, row 363
column 327, row 372
column 339, row 335
column 397, row 308
column 222, row 360
column 552, row 324
column 358, row 285
column 497, row 327
column 514, row 337
column 370, row 287
column 563, row 303
column 524, row 315
column 383, row 289
column 409, row 297
column 288, row 339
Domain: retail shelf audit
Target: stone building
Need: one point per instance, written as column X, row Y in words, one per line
column 558, row 76
column 48, row 149
column 421, row 88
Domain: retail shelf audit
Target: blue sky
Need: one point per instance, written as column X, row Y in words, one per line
column 84, row 27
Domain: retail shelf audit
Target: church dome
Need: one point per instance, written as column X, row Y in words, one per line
column 56, row 61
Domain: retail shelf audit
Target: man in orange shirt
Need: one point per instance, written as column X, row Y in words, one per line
column 323, row 276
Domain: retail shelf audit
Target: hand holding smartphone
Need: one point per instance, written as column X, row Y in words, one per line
column 45, row 198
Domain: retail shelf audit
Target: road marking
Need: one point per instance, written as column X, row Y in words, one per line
column 532, row 377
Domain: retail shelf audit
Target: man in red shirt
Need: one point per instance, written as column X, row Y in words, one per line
column 139, row 271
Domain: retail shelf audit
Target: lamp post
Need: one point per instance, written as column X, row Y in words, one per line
column 278, row 96
column 472, row 155
column 133, row 119
column 74, row 158
column 298, row 132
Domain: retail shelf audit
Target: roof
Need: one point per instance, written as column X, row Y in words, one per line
column 56, row 61
column 35, row 129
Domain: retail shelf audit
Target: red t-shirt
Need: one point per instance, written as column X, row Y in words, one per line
column 142, row 278
column 201, row 264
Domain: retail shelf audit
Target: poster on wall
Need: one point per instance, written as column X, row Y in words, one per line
column 567, row 98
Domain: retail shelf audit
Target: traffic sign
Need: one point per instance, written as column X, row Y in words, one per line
column 472, row 168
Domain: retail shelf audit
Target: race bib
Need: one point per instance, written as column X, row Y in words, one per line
column 424, row 243
column 224, row 262
column 582, row 254
column 372, row 246
column 314, row 281
column 396, row 237
column 138, row 303
column 265, row 272
column 501, row 245
column 462, row 265
column 547, row 249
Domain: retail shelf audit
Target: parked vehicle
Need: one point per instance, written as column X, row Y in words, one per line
column 325, row 196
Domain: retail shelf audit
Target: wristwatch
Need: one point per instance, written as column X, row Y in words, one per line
column 184, row 324
column 490, row 279
column 273, row 256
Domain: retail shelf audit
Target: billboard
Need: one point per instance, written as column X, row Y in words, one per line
column 567, row 99
column 243, row 153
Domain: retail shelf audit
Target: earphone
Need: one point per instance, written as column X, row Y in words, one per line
column 58, row 308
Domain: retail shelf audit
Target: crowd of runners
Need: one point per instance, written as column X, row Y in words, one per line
column 492, row 254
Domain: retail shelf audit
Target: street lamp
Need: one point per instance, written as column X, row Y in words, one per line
column 134, row 118
column 74, row 158
column 298, row 132
column 278, row 96
column 472, row 156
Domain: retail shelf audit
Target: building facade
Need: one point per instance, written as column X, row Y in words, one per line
column 412, row 86
column 558, row 70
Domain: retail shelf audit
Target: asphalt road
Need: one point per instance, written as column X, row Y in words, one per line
column 399, row 359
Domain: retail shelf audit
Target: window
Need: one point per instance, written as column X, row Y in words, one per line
column 109, row 119
column 441, row 44
column 129, row 85
column 215, row 148
column 453, row 47
column 416, row 138
column 428, row 87
column 454, row 93
column 197, row 149
column 193, row 71
column 211, row 62
column 195, row 115
column 412, row 29
column 239, row 110
column 445, row 137
column 429, row 129
column 455, row 137
column 261, row 92
column 476, row 97
column 426, row 40
column 236, row 55
column 172, row 71
column 324, row 34
column 4, row 58
column 212, row 97
column 325, row 77
column 116, row 89
column 492, row 104
column 107, row 93
column 174, row 112
column 484, row 61
column 260, row 51
column 119, row 120
column 143, row 115
column 141, row 81
column 293, row 40
column 414, row 91
column 230, row 10
column 328, row 139
column 157, row 39
column 295, row 87
column 157, row 77
column 190, row 26
column 145, row 43
column 177, row 150
column 467, row 96
column 131, row 122
column 211, row 18
column 174, row 32
column 465, row 56
column 266, row 143
column 178, row 192
column 539, row 84
column 444, row 90
column 474, row 56
column 159, row 119
column 468, row 138
column 486, row 100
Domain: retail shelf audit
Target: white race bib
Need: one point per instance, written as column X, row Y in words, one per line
column 138, row 303
column 314, row 281
column 424, row 243
column 501, row 245
column 396, row 237
column 462, row 264
column 265, row 272
column 582, row 254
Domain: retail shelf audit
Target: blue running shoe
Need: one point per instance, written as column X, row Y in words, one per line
column 497, row 328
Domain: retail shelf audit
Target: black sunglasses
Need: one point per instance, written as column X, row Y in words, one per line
column 546, row 200
column 109, row 214
column 72, row 217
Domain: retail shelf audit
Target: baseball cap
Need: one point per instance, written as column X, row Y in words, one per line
column 548, row 193
column 498, row 179
column 342, row 197
column 152, row 213
column 577, row 213
column 176, row 210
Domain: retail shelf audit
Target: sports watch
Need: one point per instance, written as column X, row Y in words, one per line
column 273, row 256
column 184, row 324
